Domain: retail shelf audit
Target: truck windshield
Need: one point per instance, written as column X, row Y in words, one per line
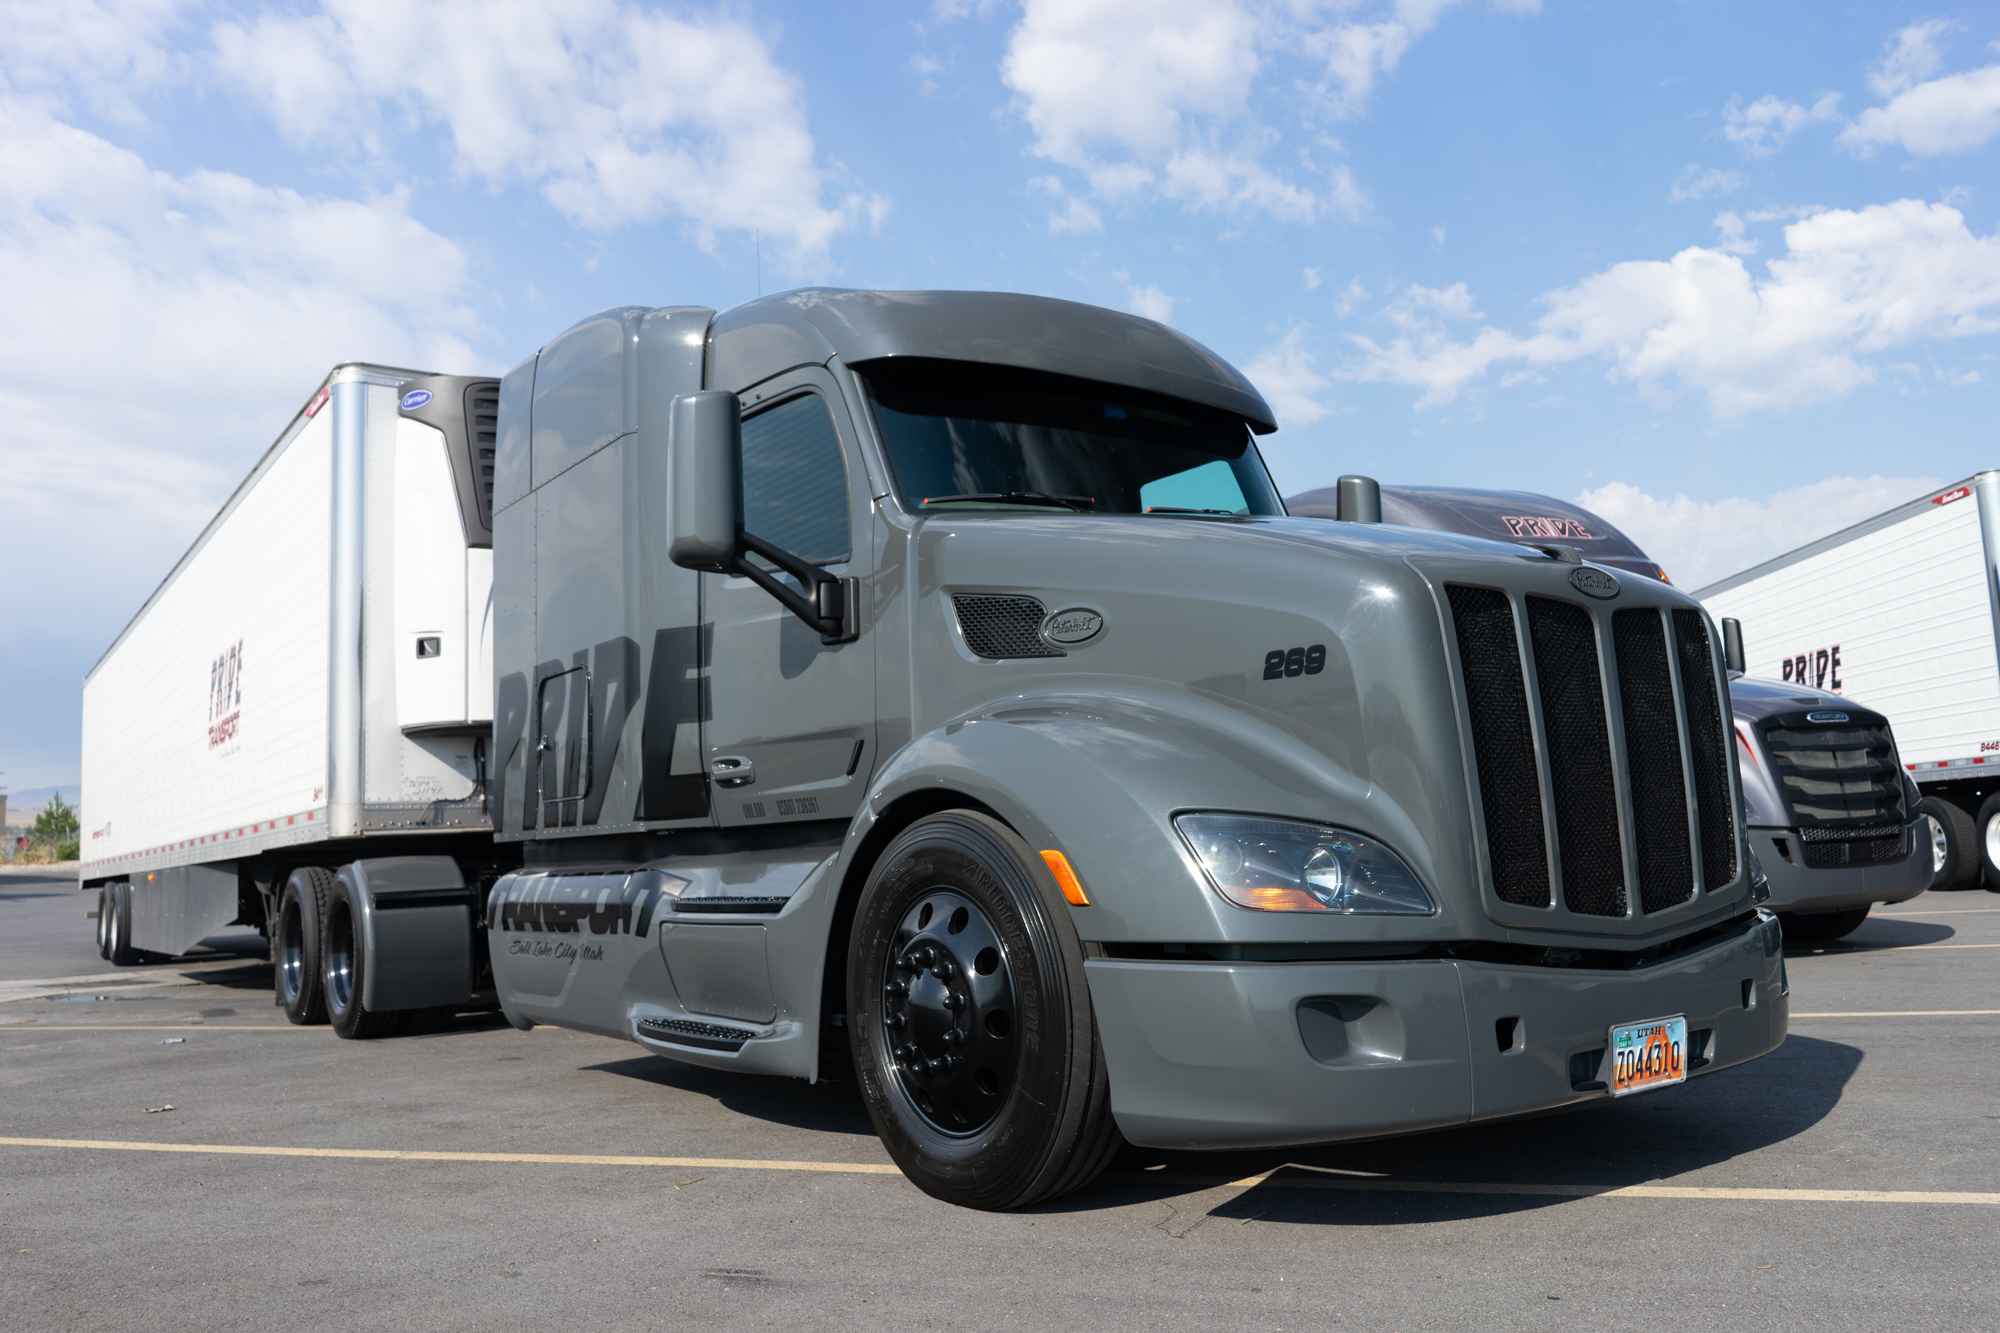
column 967, row 436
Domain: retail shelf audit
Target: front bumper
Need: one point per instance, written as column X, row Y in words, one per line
column 1797, row 887
column 1256, row 1055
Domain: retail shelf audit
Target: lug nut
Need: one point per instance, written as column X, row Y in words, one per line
column 954, row 1038
column 954, row 1001
column 947, row 970
column 897, row 1021
column 896, row 989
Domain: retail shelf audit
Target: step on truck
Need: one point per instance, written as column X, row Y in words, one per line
column 1836, row 822
column 929, row 689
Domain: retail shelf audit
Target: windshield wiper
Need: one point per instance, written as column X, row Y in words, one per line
column 1080, row 503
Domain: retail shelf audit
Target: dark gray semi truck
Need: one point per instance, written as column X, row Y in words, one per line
column 930, row 689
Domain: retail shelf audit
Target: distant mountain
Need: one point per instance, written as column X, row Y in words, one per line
column 23, row 806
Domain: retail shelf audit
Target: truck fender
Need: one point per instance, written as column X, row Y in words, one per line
column 415, row 922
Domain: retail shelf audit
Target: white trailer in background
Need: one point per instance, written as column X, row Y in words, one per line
column 1903, row 611
column 317, row 669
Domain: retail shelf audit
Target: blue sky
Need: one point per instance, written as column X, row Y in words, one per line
column 1727, row 273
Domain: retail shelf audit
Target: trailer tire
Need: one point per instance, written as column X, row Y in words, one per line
column 118, row 938
column 296, row 946
column 345, row 963
column 104, row 922
column 1987, row 838
column 962, row 940
column 1962, row 856
column 1819, row 927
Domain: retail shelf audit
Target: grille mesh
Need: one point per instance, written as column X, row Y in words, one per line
column 1580, row 773
column 1826, row 854
column 1706, row 750
column 1653, row 753
column 997, row 627
column 1496, row 699
column 482, row 426
column 1832, row 774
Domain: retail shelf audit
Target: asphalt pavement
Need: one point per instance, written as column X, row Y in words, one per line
column 479, row 1178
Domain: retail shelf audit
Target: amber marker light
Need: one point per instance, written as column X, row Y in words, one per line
column 1066, row 878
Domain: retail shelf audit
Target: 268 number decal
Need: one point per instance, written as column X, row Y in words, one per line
column 1282, row 662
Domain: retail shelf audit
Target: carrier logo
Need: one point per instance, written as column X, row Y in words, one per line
column 225, row 695
column 1593, row 582
column 415, row 399
column 1536, row 525
column 1819, row 668
column 1826, row 717
column 1076, row 625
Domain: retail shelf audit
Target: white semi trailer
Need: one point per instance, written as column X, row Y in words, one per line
column 314, row 677
column 1902, row 610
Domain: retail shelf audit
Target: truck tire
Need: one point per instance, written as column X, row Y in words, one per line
column 345, row 967
column 118, row 936
column 1987, row 838
column 1820, row 927
column 295, row 946
column 104, row 922
column 1961, row 845
column 961, row 943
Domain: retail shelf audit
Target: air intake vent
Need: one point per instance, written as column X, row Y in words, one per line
column 1002, row 627
column 482, row 424
column 1653, row 749
column 1571, row 685
column 1706, row 749
column 702, row 1036
column 1510, row 793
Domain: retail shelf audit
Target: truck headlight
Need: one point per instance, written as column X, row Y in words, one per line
column 1284, row 865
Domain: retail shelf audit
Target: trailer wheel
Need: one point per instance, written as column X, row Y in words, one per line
column 104, row 922
column 1820, row 927
column 1959, row 867
column 295, row 945
column 1987, row 827
column 963, row 948
column 118, row 935
column 346, row 970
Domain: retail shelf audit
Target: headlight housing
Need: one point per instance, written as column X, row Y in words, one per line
column 1286, row 865
column 1760, row 883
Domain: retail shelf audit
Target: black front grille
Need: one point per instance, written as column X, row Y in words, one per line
column 1861, row 846
column 1503, row 744
column 1653, row 750
column 1580, row 773
column 1841, row 773
column 482, row 426
column 998, row 627
column 1584, row 765
column 1708, row 751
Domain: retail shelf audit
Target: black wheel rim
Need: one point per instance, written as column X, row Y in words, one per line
column 291, row 953
column 340, row 961
column 948, row 1014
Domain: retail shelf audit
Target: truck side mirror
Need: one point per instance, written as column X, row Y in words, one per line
column 704, row 452
column 705, row 469
column 1732, row 645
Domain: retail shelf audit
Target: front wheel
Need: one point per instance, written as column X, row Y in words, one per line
column 970, row 1021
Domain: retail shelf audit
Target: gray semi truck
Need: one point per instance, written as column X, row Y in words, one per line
column 930, row 689
column 1837, row 823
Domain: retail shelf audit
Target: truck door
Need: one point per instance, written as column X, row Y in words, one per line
column 791, row 730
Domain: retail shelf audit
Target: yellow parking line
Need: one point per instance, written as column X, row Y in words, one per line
column 32, row 1026
column 1267, row 1179
column 1942, row 911
column 1902, row 1013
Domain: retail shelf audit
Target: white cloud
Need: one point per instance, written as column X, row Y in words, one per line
column 1150, row 99
column 1851, row 283
column 104, row 53
column 160, row 329
column 1426, row 307
column 1697, row 182
column 1151, row 302
column 1912, row 57
column 1762, row 128
column 1698, row 542
column 1288, row 377
column 619, row 114
column 1955, row 114
column 1311, row 279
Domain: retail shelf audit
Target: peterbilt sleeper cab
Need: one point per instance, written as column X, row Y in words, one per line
column 931, row 685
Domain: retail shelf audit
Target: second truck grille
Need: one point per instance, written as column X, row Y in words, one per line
column 1839, row 774
column 1674, row 856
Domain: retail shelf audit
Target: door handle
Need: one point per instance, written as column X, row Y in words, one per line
column 732, row 770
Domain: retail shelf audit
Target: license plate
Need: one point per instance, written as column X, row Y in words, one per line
column 1646, row 1055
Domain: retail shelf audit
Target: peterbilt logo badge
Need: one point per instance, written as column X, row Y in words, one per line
column 1826, row 717
column 1076, row 625
column 1593, row 582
